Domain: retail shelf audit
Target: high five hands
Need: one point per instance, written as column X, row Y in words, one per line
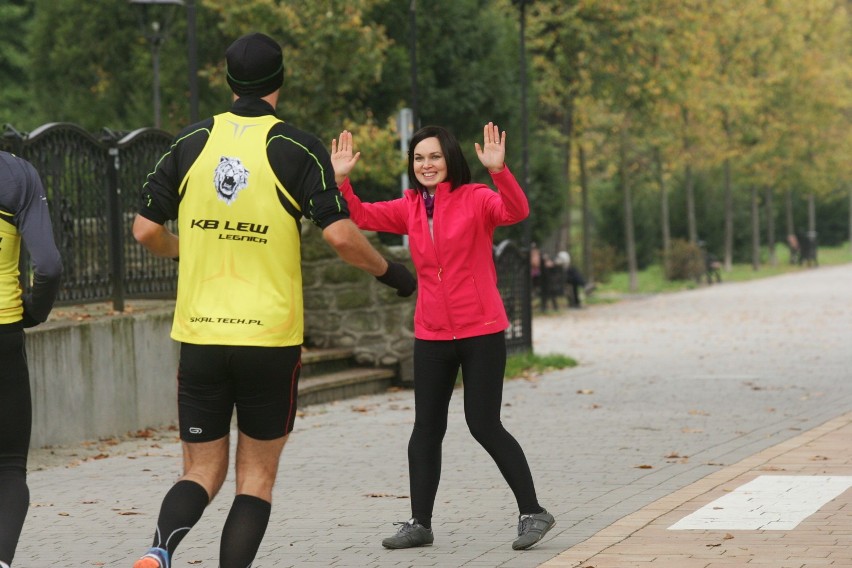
column 343, row 159
column 492, row 153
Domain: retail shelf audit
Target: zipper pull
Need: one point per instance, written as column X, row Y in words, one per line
column 440, row 269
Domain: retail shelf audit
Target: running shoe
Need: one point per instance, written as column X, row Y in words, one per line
column 532, row 528
column 154, row 558
column 409, row 535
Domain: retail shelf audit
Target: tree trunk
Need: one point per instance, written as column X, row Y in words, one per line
column 791, row 228
column 588, row 265
column 755, row 230
column 690, row 204
column 664, row 209
column 729, row 203
column 564, row 239
column 788, row 210
column 729, row 218
column 629, row 231
column 812, row 228
column 689, row 182
column 770, row 227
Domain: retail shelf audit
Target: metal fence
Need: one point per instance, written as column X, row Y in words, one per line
column 514, row 282
column 92, row 185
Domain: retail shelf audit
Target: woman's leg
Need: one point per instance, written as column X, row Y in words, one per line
column 483, row 368
column 435, row 369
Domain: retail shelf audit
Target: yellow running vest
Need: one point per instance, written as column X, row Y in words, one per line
column 240, row 279
column 11, row 307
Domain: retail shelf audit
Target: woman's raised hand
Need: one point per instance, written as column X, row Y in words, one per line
column 342, row 157
column 492, row 153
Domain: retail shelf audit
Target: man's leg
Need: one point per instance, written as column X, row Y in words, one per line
column 257, row 468
column 15, row 428
column 266, row 382
column 205, row 467
column 205, row 407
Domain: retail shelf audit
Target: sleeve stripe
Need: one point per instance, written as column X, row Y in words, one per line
column 172, row 147
column 303, row 147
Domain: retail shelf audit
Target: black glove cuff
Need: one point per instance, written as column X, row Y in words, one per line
column 398, row 276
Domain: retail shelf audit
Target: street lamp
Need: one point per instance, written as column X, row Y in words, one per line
column 525, row 159
column 155, row 17
column 412, row 53
column 192, row 57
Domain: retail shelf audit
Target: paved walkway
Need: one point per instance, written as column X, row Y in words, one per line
column 679, row 400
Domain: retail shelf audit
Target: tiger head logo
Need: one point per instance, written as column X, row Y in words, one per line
column 230, row 178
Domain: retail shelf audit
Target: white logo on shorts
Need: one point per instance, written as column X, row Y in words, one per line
column 195, row 430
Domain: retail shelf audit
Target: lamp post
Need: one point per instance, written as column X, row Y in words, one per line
column 155, row 17
column 526, row 310
column 192, row 57
column 525, row 160
column 412, row 53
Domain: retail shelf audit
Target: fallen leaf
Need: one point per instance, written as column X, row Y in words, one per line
column 585, row 391
column 389, row 495
column 728, row 536
column 644, row 466
column 699, row 413
column 819, row 458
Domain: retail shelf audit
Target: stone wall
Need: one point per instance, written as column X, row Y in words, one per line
column 346, row 307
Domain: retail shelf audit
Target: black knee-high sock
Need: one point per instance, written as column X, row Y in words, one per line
column 14, row 502
column 182, row 507
column 243, row 531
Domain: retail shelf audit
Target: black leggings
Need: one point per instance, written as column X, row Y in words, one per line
column 483, row 362
column 15, row 428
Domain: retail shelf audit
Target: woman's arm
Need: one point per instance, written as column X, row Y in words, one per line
column 386, row 216
column 510, row 205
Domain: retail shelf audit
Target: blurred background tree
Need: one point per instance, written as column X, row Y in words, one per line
column 649, row 120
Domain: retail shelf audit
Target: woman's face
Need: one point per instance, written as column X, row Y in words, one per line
column 430, row 167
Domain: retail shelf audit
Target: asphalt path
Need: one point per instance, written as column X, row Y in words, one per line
column 670, row 388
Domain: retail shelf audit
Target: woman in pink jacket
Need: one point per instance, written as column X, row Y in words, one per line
column 459, row 319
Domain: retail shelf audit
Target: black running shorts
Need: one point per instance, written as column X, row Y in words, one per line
column 261, row 382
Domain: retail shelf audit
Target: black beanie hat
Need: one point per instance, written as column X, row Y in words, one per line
column 255, row 65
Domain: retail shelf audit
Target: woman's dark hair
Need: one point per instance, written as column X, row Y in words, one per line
column 458, row 172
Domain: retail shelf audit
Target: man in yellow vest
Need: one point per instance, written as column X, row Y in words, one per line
column 238, row 184
column 23, row 216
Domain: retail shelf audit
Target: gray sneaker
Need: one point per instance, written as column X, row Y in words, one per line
column 532, row 528
column 409, row 535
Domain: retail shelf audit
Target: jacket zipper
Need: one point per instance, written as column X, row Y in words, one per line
column 440, row 271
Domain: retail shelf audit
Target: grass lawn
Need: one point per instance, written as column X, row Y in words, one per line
column 651, row 279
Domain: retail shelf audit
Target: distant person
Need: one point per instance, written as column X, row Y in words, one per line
column 535, row 265
column 552, row 283
column 238, row 184
column 712, row 265
column 459, row 320
column 574, row 279
column 795, row 249
column 23, row 216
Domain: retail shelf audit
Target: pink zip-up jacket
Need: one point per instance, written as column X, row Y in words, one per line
column 457, row 295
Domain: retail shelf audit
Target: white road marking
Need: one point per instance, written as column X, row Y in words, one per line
column 769, row 502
